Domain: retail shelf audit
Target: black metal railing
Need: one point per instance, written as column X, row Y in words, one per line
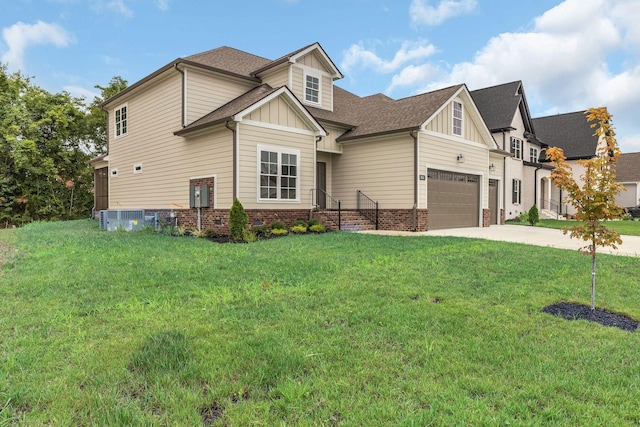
column 368, row 208
column 553, row 206
column 330, row 206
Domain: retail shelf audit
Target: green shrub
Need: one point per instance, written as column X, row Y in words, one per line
column 317, row 228
column 533, row 217
column 261, row 230
column 210, row 232
column 299, row 229
column 249, row 236
column 279, row 231
column 238, row 221
column 299, row 222
column 312, row 222
column 278, row 225
column 523, row 217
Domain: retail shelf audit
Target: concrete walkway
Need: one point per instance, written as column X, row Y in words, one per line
column 538, row 236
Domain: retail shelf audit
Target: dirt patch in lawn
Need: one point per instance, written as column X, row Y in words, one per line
column 6, row 252
column 573, row 311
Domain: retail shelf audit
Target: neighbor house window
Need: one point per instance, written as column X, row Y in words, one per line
column 533, row 155
column 312, row 89
column 457, row 118
column 279, row 177
column 516, row 147
column 121, row 121
column 137, row 168
column 516, row 193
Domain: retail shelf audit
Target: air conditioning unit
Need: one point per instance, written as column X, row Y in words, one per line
column 129, row 220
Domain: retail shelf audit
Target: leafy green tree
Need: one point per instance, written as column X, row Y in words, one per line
column 595, row 199
column 43, row 159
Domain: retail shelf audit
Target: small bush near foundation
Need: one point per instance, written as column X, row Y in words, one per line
column 278, row 225
column 299, row 229
column 249, row 236
column 210, row 232
column 317, row 228
column 279, row 231
column 533, row 216
column 261, row 230
column 299, row 222
column 238, row 221
column 312, row 222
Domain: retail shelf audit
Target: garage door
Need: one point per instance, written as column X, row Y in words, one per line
column 453, row 199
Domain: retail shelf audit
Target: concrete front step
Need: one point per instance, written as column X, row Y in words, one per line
column 548, row 214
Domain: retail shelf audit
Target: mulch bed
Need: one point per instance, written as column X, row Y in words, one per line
column 573, row 311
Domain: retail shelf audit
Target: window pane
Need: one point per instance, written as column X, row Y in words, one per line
column 264, row 156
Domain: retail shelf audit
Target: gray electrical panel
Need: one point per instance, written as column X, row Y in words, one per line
column 199, row 196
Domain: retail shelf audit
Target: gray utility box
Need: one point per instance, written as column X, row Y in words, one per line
column 130, row 220
column 199, row 196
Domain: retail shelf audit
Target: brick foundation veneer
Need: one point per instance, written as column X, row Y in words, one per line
column 402, row 219
column 501, row 216
column 218, row 219
column 486, row 217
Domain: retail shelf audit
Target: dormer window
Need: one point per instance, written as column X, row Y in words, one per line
column 312, row 89
column 457, row 118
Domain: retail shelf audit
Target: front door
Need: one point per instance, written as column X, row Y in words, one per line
column 321, row 184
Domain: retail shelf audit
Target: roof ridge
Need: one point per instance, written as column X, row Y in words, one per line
column 561, row 114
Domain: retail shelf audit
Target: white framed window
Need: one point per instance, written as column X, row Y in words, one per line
column 457, row 118
column 516, row 147
column 312, row 88
column 121, row 121
column 533, row 155
column 516, row 191
column 278, row 174
column 137, row 168
column 114, row 172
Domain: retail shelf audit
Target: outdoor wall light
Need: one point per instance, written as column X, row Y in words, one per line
column 492, row 167
column 460, row 158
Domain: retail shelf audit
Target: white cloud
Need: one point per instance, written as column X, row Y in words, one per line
column 120, row 7
column 79, row 92
column 20, row 36
column 413, row 75
column 423, row 13
column 409, row 51
column 163, row 5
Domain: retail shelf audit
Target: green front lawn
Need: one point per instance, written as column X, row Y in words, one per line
column 142, row 329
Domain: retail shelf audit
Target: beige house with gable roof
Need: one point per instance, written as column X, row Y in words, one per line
column 287, row 142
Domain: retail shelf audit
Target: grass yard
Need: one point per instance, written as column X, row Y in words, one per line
column 340, row 329
column 628, row 228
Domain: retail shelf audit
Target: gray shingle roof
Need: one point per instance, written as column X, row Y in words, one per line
column 378, row 114
column 628, row 168
column 569, row 131
column 498, row 104
column 228, row 110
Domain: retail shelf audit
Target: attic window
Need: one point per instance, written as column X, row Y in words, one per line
column 312, row 89
column 457, row 118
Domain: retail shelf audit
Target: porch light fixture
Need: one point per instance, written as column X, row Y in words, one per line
column 492, row 167
column 460, row 158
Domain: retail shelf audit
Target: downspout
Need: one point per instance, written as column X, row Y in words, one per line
column 235, row 158
column 414, row 135
column 504, row 178
column 184, row 121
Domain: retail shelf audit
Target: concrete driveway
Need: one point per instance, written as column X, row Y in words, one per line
column 538, row 236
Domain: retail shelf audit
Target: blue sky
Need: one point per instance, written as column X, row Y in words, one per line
column 571, row 55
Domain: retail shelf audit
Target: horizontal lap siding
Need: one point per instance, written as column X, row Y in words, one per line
column 250, row 138
column 167, row 161
column 382, row 169
column 207, row 91
column 277, row 79
column 329, row 142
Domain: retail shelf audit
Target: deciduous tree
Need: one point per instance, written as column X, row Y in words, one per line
column 594, row 199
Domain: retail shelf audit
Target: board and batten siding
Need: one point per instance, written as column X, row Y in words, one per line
column 207, row 91
column 278, row 112
column 250, row 137
column 443, row 123
column 382, row 168
column 167, row 161
column 298, row 88
column 441, row 153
